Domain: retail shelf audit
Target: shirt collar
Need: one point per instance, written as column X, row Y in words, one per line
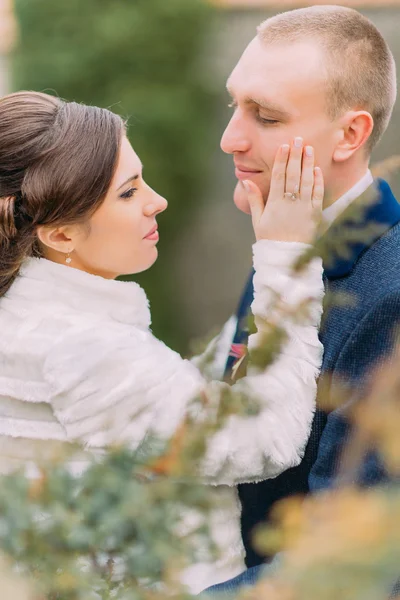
column 334, row 210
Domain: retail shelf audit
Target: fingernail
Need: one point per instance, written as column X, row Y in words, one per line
column 309, row 151
column 298, row 142
column 246, row 186
column 285, row 148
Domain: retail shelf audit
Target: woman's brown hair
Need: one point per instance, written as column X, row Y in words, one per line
column 57, row 160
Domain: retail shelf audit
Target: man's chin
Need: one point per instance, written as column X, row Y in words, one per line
column 240, row 199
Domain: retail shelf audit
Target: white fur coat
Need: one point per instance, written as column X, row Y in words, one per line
column 80, row 363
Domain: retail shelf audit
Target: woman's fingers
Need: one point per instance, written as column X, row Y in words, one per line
column 318, row 190
column 256, row 203
column 307, row 174
column 293, row 171
column 278, row 175
column 289, row 215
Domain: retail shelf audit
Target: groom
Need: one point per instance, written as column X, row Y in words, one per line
column 292, row 82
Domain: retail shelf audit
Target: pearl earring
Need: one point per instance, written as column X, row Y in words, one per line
column 68, row 260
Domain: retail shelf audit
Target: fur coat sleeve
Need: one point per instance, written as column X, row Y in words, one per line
column 122, row 385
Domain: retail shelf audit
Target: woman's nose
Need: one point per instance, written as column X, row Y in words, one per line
column 157, row 204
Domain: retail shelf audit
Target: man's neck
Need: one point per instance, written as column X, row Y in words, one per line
column 342, row 183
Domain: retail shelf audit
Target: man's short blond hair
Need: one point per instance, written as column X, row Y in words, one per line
column 360, row 68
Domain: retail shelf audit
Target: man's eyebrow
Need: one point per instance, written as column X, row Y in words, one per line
column 133, row 178
column 265, row 104
column 269, row 106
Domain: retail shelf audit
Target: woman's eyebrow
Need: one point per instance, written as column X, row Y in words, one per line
column 133, row 178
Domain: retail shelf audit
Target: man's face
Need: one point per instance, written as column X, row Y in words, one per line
column 278, row 93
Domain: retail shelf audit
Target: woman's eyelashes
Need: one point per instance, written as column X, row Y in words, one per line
column 129, row 193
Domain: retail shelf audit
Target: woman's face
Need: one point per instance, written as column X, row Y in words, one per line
column 123, row 232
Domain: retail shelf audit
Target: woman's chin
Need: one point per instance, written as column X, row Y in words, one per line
column 148, row 263
column 144, row 265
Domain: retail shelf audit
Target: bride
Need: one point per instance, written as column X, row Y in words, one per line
column 79, row 362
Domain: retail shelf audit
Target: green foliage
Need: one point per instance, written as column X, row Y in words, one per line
column 100, row 533
column 142, row 59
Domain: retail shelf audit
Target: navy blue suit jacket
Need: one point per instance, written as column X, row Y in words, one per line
column 356, row 337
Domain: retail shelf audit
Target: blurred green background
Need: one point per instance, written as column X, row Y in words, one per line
column 163, row 64
column 142, row 59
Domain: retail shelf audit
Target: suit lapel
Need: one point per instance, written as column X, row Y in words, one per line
column 384, row 211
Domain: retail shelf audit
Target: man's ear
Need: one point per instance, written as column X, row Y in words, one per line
column 60, row 239
column 356, row 129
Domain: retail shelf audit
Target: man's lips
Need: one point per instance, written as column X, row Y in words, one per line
column 242, row 172
column 153, row 234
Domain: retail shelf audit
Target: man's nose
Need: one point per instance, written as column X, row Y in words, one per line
column 235, row 138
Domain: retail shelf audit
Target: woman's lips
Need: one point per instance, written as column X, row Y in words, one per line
column 243, row 173
column 152, row 235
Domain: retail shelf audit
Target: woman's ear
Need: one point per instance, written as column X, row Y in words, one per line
column 60, row 239
column 356, row 129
